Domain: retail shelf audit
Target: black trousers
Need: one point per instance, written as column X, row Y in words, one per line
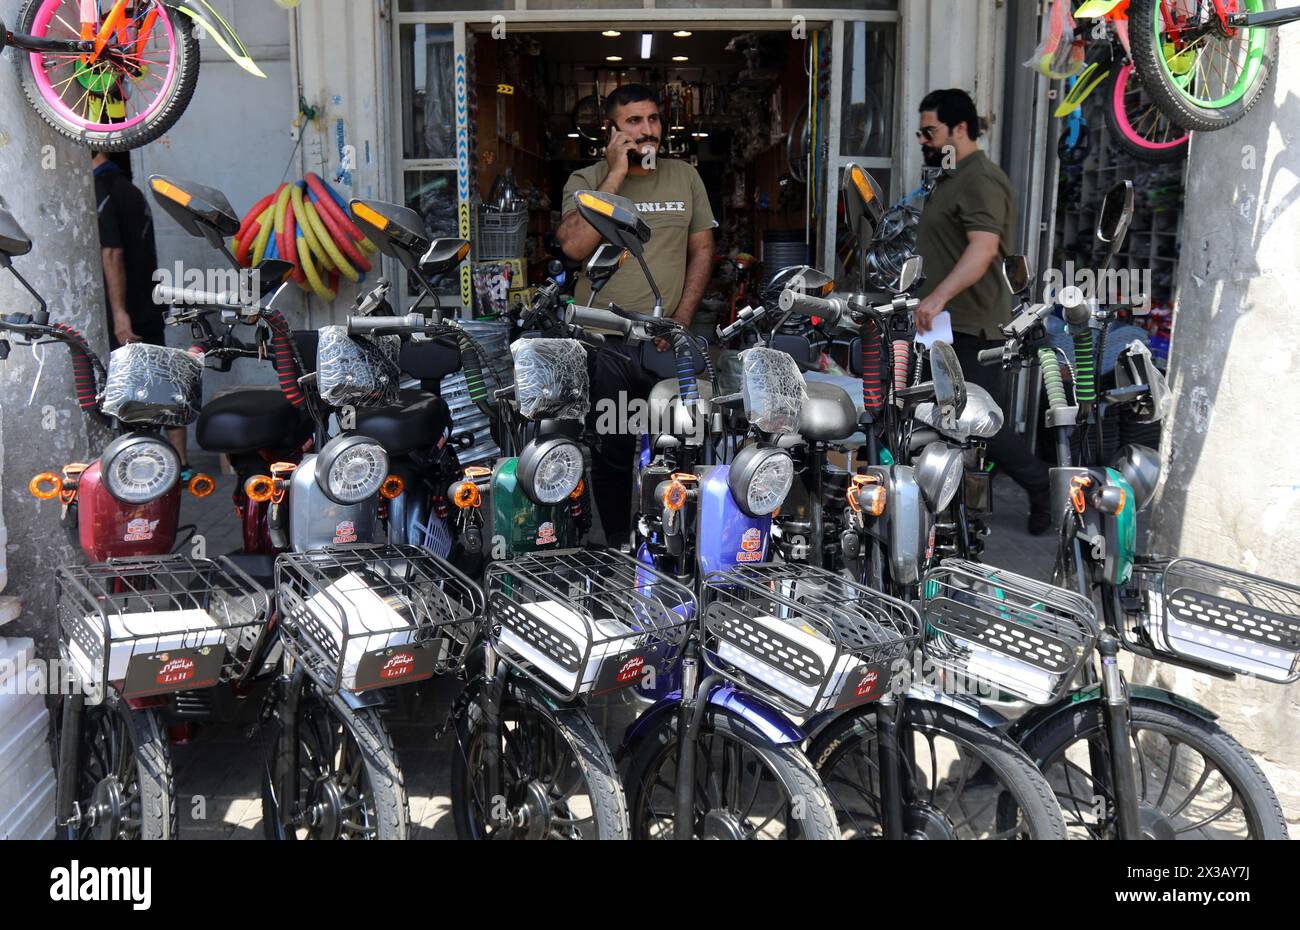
column 617, row 378
column 1008, row 449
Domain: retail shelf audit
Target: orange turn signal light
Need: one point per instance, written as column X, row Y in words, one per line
column 675, row 495
column 45, row 486
column 202, row 485
column 260, row 488
column 867, row 498
column 392, row 487
column 1077, row 498
column 465, row 495
column 577, row 492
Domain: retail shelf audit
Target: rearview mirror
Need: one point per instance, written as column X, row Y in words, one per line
column 864, row 204
column 442, row 256
column 1116, row 215
column 271, row 273
column 802, row 278
column 949, row 382
column 615, row 218
column 604, row 264
column 13, row 241
column 1015, row 272
column 395, row 230
column 912, row 274
column 201, row 211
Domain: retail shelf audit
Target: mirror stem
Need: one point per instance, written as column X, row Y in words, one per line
column 6, row 263
column 654, row 288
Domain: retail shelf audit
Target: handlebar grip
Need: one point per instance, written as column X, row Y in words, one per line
column 387, row 325
column 990, row 356
column 163, row 294
column 594, row 318
column 808, row 305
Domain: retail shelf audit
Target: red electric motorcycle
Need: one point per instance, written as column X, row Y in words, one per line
column 137, row 625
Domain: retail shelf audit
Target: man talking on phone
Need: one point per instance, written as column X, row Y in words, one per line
column 671, row 198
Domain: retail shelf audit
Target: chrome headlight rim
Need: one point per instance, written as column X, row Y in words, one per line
column 939, row 470
column 535, row 454
column 122, row 450
column 749, row 462
column 335, row 451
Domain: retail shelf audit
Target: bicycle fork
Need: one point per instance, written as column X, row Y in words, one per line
column 66, row 812
column 889, row 711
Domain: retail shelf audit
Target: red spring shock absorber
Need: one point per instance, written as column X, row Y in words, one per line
column 873, row 373
column 902, row 363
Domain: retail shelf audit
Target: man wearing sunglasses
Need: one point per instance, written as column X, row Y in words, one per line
column 966, row 226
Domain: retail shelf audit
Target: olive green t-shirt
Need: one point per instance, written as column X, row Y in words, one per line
column 673, row 202
column 973, row 197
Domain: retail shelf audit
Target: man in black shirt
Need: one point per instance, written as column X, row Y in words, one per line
column 130, row 259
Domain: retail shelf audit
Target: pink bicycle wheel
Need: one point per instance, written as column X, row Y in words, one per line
column 132, row 92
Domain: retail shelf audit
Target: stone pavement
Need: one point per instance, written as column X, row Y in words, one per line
column 219, row 772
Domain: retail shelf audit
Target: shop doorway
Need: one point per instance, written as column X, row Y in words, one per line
column 768, row 118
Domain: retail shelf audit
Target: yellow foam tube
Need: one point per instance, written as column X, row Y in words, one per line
column 309, row 269
column 323, row 236
column 308, row 232
column 263, row 234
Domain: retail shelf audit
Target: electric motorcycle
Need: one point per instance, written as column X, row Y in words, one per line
column 1133, row 761
column 139, row 628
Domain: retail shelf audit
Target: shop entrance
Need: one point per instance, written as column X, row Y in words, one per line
column 767, row 115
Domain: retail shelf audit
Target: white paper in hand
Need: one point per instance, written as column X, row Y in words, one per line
column 940, row 329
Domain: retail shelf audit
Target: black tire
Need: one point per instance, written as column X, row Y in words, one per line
column 813, row 819
column 382, row 792
column 108, row 731
column 1121, row 139
column 1261, row 814
column 589, row 761
column 184, row 81
column 849, row 741
column 1143, row 16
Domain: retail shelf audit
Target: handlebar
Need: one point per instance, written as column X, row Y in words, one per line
column 595, row 318
column 991, row 356
column 194, row 297
column 390, row 325
column 832, row 310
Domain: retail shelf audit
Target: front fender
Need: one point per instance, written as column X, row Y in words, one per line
column 215, row 27
column 1096, row 9
column 762, row 717
column 1036, row 717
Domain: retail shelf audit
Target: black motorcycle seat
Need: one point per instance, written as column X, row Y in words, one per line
column 828, row 415
column 251, row 420
column 417, row 421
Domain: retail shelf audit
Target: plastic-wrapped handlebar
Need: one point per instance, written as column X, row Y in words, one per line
column 388, row 325
column 194, row 297
column 991, row 356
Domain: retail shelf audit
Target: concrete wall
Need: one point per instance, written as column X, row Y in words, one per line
column 46, row 184
column 1231, row 493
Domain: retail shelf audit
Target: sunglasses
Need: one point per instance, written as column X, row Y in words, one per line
column 927, row 133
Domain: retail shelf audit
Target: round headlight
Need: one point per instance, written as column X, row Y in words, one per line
column 760, row 479
column 1140, row 467
column 139, row 469
column 939, row 472
column 550, row 469
column 351, row 469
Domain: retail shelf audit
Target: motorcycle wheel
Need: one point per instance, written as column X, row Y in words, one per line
column 349, row 785
column 560, row 781
column 988, row 788
column 125, row 786
column 1195, row 781
column 747, row 787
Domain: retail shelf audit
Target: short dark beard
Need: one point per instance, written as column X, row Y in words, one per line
column 933, row 157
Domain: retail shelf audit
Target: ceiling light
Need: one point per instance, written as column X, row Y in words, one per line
column 647, row 43
column 700, row 135
column 678, row 128
column 613, row 57
column 574, row 135
column 680, row 58
column 682, row 34
column 611, row 33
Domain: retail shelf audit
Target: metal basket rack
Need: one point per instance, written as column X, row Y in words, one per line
column 806, row 639
column 158, row 625
column 362, row 617
column 1197, row 614
column 586, row 621
column 987, row 628
column 500, row 234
